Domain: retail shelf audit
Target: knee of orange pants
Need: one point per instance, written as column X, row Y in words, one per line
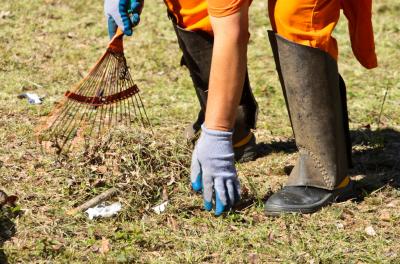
column 307, row 22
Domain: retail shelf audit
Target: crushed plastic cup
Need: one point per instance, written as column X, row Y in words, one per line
column 102, row 210
column 32, row 98
column 160, row 208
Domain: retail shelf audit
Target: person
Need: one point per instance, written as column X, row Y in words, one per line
column 306, row 56
column 192, row 26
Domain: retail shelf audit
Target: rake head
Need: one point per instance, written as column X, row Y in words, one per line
column 107, row 98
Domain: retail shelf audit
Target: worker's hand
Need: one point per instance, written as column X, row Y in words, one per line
column 213, row 170
column 124, row 14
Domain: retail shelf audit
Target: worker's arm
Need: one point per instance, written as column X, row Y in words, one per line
column 228, row 68
column 213, row 170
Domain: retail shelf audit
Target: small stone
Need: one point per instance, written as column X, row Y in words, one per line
column 370, row 231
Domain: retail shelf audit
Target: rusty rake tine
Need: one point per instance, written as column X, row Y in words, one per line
column 98, row 88
column 122, row 86
column 129, row 120
column 67, row 109
column 107, row 81
column 72, row 120
column 145, row 113
column 83, row 113
column 110, row 106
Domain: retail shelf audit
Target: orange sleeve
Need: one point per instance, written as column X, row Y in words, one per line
column 222, row 8
column 190, row 14
column 359, row 13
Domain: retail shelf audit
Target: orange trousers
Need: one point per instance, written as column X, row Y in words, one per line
column 307, row 22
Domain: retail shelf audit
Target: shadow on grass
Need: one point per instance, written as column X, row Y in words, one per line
column 286, row 146
column 7, row 230
column 376, row 160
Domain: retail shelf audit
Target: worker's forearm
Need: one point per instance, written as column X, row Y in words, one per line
column 228, row 69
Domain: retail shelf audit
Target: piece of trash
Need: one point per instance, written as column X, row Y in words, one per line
column 5, row 14
column 104, row 210
column 32, row 98
column 370, row 231
column 160, row 208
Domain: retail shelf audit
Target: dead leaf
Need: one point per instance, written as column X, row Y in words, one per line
column 105, row 246
column 172, row 223
column 5, row 199
column 95, row 249
column 71, row 35
column 271, row 237
column 384, row 216
column 57, row 247
column 99, row 183
column 12, row 199
column 165, row 194
column 392, row 204
column 253, row 258
column 233, row 228
column 171, row 181
column 102, row 169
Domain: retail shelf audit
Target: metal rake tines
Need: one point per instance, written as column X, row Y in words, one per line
column 106, row 98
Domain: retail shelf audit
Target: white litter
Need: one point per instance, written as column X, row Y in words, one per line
column 32, row 98
column 160, row 208
column 103, row 210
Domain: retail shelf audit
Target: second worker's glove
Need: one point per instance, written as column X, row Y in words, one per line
column 213, row 170
column 124, row 14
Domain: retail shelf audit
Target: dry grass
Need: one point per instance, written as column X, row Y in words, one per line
column 48, row 45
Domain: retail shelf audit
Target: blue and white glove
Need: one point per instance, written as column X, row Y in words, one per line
column 213, row 170
column 124, row 14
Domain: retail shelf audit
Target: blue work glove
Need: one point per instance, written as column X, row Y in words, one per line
column 124, row 14
column 213, row 170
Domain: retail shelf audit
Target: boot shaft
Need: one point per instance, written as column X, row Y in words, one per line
column 310, row 82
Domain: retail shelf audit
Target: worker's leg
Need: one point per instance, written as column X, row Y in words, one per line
column 305, row 56
column 197, row 46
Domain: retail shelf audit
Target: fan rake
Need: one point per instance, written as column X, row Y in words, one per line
column 107, row 98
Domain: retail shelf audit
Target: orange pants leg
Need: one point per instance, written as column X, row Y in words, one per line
column 307, row 22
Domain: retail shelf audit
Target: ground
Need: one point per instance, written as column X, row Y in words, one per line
column 48, row 45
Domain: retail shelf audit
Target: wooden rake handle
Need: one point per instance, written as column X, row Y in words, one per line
column 116, row 43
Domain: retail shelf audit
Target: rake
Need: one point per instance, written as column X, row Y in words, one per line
column 106, row 99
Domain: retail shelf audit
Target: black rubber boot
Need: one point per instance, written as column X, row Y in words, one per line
column 197, row 53
column 316, row 104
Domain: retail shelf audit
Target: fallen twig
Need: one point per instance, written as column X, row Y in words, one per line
column 94, row 201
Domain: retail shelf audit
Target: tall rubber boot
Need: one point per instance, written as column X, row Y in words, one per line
column 197, row 53
column 310, row 82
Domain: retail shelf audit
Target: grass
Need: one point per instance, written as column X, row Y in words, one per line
column 47, row 45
